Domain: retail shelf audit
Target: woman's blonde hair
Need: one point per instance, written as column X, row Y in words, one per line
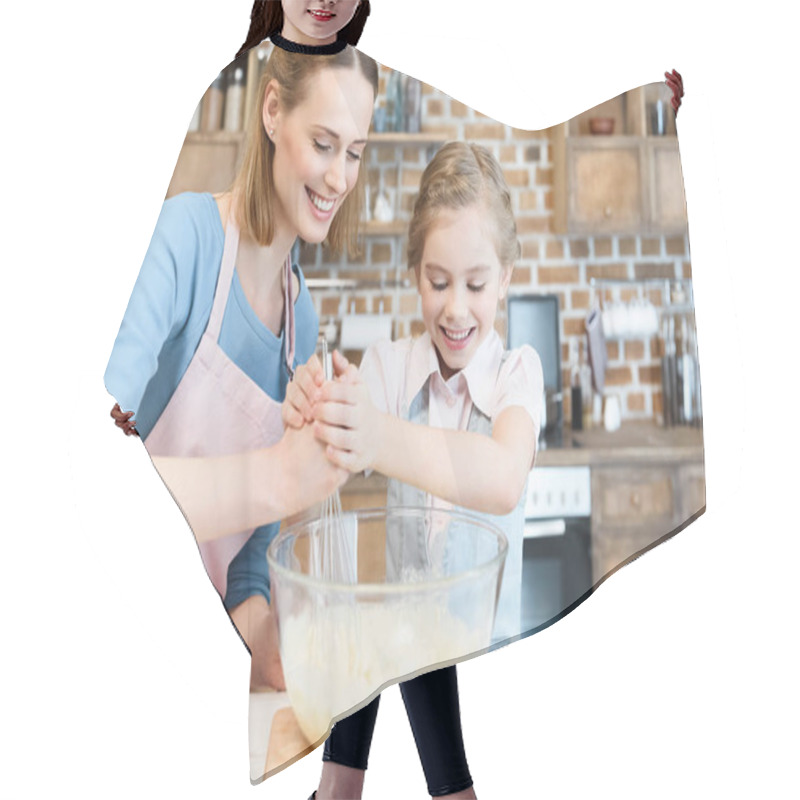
column 254, row 188
column 458, row 176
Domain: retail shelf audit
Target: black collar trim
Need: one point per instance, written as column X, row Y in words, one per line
column 316, row 49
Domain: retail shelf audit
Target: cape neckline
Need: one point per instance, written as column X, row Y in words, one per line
column 309, row 49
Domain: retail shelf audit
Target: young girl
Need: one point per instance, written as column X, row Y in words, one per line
column 306, row 22
column 451, row 418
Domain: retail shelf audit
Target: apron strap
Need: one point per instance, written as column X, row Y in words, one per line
column 225, row 276
column 475, row 414
column 288, row 315
column 225, row 279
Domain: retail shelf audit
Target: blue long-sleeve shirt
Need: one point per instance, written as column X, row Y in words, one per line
column 165, row 319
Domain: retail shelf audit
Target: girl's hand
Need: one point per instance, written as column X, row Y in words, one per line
column 304, row 390
column 301, row 394
column 124, row 420
column 348, row 423
column 343, row 370
column 675, row 82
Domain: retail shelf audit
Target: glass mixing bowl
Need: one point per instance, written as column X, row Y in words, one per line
column 421, row 594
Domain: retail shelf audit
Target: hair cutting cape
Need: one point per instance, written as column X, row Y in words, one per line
column 602, row 291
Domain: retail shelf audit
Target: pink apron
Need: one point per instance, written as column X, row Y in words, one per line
column 217, row 409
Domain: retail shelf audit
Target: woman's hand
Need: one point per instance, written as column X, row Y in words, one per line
column 348, row 423
column 304, row 390
column 220, row 495
column 675, row 82
column 124, row 420
column 301, row 394
column 257, row 623
column 307, row 476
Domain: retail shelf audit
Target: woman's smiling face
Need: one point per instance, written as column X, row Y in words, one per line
column 318, row 149
column 460, row 281
column 316, row 21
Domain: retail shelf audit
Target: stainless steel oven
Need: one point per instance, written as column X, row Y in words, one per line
column 557, row 549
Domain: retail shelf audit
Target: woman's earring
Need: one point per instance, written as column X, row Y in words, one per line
column 271, row 132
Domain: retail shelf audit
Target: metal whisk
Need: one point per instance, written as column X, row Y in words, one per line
column 332, row 549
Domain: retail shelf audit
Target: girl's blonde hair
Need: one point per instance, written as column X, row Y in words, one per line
column 254, row 187
column 458, row 176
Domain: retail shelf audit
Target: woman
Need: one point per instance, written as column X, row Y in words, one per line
column 208, row 343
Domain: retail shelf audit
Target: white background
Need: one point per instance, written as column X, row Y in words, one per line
column 121, row 676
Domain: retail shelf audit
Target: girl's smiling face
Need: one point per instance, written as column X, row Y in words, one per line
column 318, row 149
column 314, row 22
column 461, row 281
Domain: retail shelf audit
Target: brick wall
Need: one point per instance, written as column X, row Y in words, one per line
column 549, row 263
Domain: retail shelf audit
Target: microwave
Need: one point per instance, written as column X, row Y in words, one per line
column 534, row 319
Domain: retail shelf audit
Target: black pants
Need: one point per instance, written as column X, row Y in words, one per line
column 431, row 702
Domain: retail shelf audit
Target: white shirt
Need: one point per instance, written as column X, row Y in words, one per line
column 396, row 371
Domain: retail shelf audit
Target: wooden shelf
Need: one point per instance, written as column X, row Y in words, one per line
column 228, row 137
column 214, row 137
column 426, row 137
column 612, row 140
column 396, row 227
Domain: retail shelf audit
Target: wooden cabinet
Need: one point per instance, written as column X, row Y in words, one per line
column 667, row 199
column 626, row 182
column 606, row 184
column 630, row 497
column 361, row 492
column 692, row 485
column 634, row 507
column 364, row 493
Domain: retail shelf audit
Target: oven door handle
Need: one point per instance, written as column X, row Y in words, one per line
column 537, row 528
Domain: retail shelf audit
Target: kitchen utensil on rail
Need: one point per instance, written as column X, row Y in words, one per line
column 685, row 368
column 576, row 390
column 697, row 399
column 580, row 386
column 669, row 372
column 585, row 372
column 612, row 413
column 691, row 407
column 598, row 355
column 665, row 390
column 686, row 374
